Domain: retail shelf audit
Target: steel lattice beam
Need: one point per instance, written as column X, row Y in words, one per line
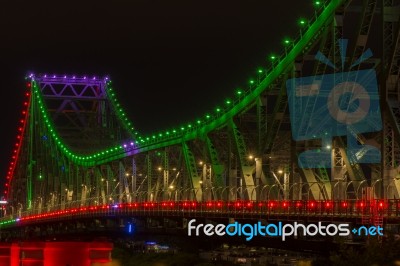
column 194, row 177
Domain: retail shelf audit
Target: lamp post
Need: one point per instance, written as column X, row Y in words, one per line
column 170, row 191
column 66, row 197
column 39, row 205
column 285, row 182
column 201, row 190
column 132, row 191
column 106, row 196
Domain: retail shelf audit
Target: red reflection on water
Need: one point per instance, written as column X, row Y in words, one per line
column 55, row 253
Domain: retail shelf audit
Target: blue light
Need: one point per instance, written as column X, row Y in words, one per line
column 130, row 228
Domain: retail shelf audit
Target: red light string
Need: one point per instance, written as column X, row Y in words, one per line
column 18, row 144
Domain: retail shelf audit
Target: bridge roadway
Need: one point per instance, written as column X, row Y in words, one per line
column 353, row 211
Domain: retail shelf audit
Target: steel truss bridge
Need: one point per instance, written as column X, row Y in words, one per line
column 77, row 154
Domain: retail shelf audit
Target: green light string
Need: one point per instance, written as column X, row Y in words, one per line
column 86, row 160
column 121, row 114
column 210, row 122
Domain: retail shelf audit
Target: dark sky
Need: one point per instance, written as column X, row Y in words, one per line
column 170, row 61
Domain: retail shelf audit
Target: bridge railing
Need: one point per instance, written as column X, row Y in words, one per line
column 300, row 191
column 363, row 210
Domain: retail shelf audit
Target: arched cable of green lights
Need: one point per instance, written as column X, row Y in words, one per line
column 245, row 98
column 280, row 64
column 116, row 106
column 87, row 160
column 191, row 132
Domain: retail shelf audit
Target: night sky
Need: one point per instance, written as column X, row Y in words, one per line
column 170, row 61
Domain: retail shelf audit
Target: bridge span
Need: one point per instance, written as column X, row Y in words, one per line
column 313, row 135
